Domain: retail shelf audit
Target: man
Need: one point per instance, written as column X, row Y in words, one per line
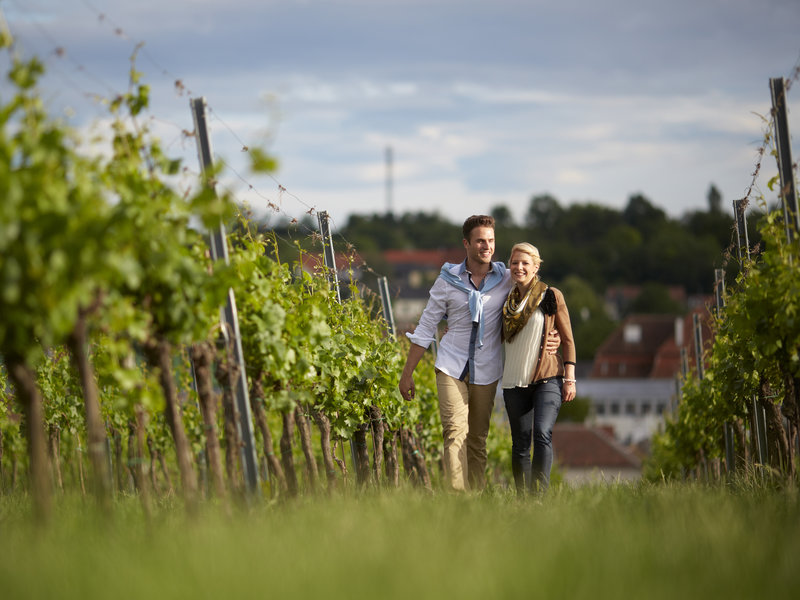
column 469, row 363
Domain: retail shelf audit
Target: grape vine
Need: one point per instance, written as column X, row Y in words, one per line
column 111, row 340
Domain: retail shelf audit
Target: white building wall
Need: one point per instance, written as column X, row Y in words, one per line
column 634, row 408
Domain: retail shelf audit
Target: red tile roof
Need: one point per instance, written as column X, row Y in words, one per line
column 433, row 259
column 667, row 361
column 619, row 356
column 628, row 293
column 657, row 353
column 578, row 446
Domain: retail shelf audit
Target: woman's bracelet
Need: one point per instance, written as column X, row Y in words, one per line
column 570, row 380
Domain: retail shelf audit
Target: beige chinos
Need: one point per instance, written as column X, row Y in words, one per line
column 465, row 410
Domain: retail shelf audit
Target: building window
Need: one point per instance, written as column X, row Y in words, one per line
column 646, row 408
column 630, row 408
column 632, row 334
column 660, row 408
column 600, row 409
column 614, row 408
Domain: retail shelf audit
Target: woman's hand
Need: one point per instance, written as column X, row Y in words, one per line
column 568, row 390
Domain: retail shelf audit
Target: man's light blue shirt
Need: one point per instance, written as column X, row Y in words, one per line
column 453, row 301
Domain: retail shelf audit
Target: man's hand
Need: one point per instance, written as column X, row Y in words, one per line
column 406, row 386
column 553, row 342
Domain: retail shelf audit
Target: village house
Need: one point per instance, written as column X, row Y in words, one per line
column 634, row 379
column 592, row 454
column 414, row 272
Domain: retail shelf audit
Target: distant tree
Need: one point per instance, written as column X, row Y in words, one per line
column 713, row 224
column 585, row 224
column 430, row 230
column 543, row 212
column 374, row 232
column 642, row 215
column 714, row 199
column 418, row 230
column 502, row 216
column 655, row 299
column 676, row 255
column 591, row 324
column 599, row 244
column 622, row 248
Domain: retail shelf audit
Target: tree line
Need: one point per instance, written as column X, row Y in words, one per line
column 601, row 245
column 587, row 248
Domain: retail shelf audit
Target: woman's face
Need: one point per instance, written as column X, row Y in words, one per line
column 523, row 268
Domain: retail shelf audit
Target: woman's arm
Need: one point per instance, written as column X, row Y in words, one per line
column 568, row 352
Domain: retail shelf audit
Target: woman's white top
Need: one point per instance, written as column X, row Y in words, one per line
column 522, row 352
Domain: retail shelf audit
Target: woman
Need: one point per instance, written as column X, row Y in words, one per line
column 534, row 382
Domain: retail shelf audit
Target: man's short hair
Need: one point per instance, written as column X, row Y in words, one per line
column 476, row 221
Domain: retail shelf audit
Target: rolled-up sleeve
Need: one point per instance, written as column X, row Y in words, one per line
column 425, row 333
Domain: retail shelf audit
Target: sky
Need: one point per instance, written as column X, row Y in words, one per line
column 483, row 103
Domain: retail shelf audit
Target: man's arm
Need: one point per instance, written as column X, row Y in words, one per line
column 552, row 342
column 406, row 385
column 423, row 335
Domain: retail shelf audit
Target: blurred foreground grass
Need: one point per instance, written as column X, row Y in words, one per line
column 608, row 541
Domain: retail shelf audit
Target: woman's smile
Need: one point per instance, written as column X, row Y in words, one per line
column 523, row 269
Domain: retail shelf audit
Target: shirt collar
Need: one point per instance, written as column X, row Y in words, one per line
column 462, row 268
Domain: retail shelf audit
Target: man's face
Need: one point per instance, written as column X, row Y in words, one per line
column 480, row 245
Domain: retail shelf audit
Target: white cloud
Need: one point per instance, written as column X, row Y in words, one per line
column 570, row 176
column 507, row 95
column 490, row 103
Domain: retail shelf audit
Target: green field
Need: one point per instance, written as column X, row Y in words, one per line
column 595, row 542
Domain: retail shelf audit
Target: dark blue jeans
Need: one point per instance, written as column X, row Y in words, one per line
column 532, row 412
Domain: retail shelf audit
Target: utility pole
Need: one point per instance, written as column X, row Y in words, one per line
column 389, row 181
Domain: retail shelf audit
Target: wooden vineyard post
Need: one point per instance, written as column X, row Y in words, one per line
column 383, row 286
column 788, row 192
column 329, row 260
column 727, row 427
column 698, row 350
column 327, row 253
column 698, row 345
column 375, row 413
column 742, row 241
column 230, row 318
column 760, row 428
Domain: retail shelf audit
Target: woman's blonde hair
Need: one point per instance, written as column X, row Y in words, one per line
column 526, row 248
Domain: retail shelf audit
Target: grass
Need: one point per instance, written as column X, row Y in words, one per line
column 605, row 541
